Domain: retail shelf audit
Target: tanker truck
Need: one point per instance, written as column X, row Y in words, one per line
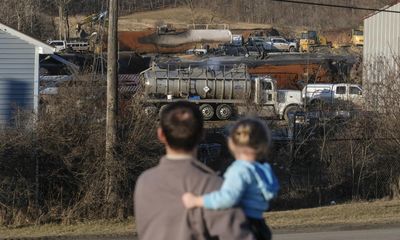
column 221, row 92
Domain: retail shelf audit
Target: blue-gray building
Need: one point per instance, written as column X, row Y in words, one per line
column 19, row 72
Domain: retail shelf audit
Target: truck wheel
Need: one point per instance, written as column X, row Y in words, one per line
column 207, row 111
column 292, row 49
column 290, row 110
column 224, row 112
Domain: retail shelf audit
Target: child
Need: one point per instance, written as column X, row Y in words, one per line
column 248, row 182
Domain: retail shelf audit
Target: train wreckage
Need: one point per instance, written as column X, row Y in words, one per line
column 292, row 71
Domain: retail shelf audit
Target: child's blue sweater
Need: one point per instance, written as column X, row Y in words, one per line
column 249, row 185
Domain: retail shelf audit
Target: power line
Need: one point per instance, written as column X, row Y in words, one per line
column 336, row 6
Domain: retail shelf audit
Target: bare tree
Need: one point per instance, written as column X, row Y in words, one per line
column 62, row 6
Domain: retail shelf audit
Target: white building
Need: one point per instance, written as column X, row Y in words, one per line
column 19, row 72
column 381, row 52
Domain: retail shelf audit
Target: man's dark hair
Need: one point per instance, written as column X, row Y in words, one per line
column 182, row 124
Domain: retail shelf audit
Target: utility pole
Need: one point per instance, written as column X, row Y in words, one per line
column 112, row 111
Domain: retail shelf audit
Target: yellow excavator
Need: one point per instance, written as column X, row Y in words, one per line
column 357, row 37
column 90, row 34
column 91, row 19
column 311, row 40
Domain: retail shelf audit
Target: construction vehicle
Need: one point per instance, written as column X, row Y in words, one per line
column 91, row 19
column 344, row 38
column 219, row 90
column 311, row 40
column 357, row 37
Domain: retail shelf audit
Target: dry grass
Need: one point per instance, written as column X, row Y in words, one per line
column 175, row 16
column 96, row 228
column 364, row 213
column 356, row 214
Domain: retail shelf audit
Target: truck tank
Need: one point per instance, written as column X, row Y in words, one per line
column 179, row 41
column 204, row 82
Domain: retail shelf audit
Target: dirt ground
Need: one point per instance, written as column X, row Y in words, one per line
column 175, row 16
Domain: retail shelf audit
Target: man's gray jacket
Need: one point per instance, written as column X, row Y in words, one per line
column 159, row 211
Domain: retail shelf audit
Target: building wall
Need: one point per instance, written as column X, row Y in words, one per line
column 382, row 34
column 381, row 51
column 17, row 76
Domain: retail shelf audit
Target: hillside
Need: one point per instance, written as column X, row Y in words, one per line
column 175, row 16
column 39, row 18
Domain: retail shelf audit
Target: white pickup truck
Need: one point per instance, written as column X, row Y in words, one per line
column 314, row 94
column 279, row 44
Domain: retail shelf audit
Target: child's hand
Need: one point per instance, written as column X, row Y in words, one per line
column 191, row 201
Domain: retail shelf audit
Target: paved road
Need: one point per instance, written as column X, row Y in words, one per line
column 392, row 233
column 371, row 234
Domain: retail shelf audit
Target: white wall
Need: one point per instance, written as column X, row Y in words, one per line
column 381, row 49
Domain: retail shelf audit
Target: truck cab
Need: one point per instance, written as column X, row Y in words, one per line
column 237, row 40
column 348, row 92
column 59, row 45
column 280, row 44
column 277, row 102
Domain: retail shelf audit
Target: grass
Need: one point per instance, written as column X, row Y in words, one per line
column 81, row 229
column 356, row 214
column 350, row 214
column 176, row 16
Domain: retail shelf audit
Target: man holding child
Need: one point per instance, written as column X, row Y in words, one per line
column 182, row 199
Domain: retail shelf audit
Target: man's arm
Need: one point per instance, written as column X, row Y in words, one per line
column 229, row 224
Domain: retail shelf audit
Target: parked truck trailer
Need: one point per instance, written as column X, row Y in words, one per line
column 220, row 91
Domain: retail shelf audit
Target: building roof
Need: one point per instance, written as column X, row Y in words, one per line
column 47, row 49
column 384, row 8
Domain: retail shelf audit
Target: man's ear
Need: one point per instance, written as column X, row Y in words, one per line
column 161, row 136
